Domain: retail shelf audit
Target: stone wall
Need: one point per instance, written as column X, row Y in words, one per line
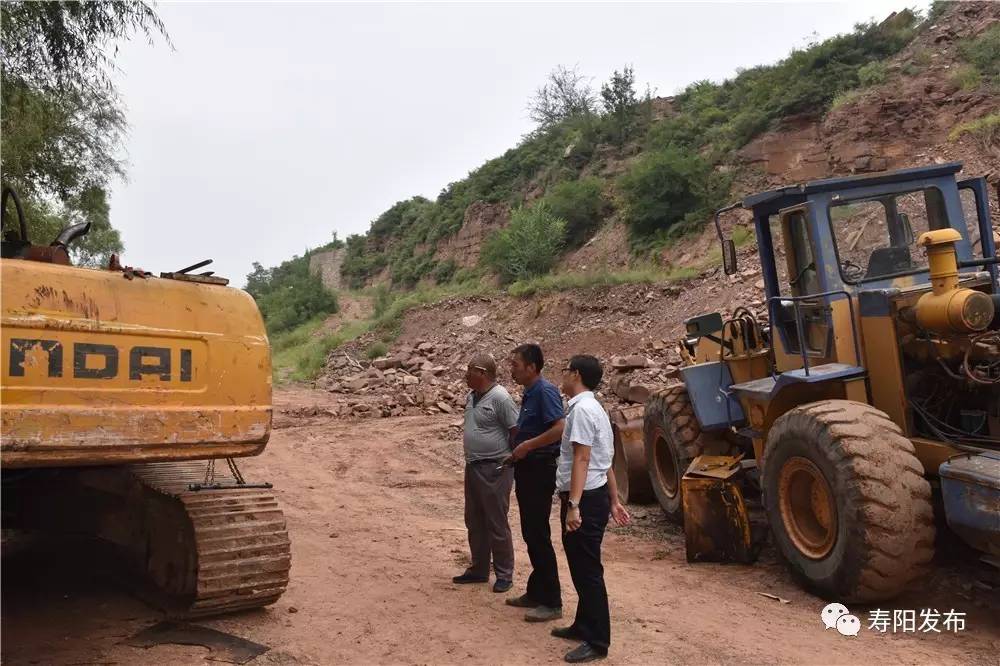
column 327, row 266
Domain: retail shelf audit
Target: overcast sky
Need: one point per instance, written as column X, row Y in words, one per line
column 270, row 126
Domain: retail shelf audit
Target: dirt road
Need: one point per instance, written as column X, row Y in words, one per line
column 375, row 515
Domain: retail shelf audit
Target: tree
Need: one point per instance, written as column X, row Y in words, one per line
column 61, row 121
column 668, row 187
column 528, row 246
column 565, row 94
column 289, row 295
column 620, row 103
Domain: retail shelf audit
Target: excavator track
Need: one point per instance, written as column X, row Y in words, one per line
column 219, row 549
column 185, row 536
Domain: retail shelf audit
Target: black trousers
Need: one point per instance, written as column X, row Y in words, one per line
column 534, row 485
column 583, row 552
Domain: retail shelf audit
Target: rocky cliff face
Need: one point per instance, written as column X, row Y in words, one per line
column 481, row 219
column 905, row 121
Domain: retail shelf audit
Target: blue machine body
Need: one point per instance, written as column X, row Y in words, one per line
column 970, row 487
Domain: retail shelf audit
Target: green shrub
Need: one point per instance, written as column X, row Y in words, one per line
column 966, row 77
column 984, row 53
column 601, row 278
column 301, row 354
column 985, row 130
column 579, row 202
column 445, row 271
column 938, row 8
column 665, row 187
column 873, row 73
column 288, row 295
column 528, row 246
column 376, row 350
column 845, row 97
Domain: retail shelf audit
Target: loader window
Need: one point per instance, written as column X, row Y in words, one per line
column 968, row 199
column 876, row 237
column 798, row 276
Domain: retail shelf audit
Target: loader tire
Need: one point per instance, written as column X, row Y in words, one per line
column 673, row 438
column 847, row 502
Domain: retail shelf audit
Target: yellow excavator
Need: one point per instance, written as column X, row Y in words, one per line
column 126, row 399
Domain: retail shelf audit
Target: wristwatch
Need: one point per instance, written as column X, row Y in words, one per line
column 572, row 504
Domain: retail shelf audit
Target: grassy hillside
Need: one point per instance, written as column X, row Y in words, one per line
column 678, row 177
column 658, row 166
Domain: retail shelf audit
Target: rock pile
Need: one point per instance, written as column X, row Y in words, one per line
column 429, row 378
column 426, row 379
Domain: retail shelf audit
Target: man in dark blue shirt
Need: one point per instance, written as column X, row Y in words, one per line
column 536, row 449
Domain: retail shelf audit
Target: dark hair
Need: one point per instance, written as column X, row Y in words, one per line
column 531, row 353
column 589, row 368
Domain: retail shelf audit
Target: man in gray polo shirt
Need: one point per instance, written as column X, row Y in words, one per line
column 490, row 416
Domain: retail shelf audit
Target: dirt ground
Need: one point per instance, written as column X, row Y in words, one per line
column 374, row 509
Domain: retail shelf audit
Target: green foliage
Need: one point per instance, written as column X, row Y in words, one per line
column 301, row 353
column 445, row 271
column 581, row 204
column 710, row 122
column 408, row 271
column 61, row 122
column 938, row 8
column 528, row 246
column 563, row 281
column 375, row 350
column 388, row 315
column 985, row 130
column 983, row 52
column 620, row 104
column 565, row 94
column 716, row 119
column 846, row 97
column 397, row 235
column 873, row 73
column 966, row 77
column 668, row 188
column 289, row 295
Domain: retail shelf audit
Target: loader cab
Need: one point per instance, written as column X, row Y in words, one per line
column 823, row 243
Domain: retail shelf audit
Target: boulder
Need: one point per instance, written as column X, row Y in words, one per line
column 620, row 386
column 355, row 384
column 632, row 362
column 471, row 320
column 387, row 362
column 638, row 393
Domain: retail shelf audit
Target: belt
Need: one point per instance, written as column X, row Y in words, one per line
column 483, row 461
column 564, row 494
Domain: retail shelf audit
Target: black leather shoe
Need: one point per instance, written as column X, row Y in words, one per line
column 569, row 633
column 523, row 601
column 469, row 578
column 502, row 585
column 583, row 652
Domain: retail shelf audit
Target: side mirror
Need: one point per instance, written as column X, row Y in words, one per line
column 729, row 256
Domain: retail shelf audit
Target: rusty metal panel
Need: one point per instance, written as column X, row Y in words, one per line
column 716, row 524
column 95, row 368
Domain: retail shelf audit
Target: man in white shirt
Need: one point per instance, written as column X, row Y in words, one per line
column 588, row 493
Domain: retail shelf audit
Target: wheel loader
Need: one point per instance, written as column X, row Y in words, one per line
column 867, row 398
column 126, row 399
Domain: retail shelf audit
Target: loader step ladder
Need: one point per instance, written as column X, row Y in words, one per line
column 762, row 390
